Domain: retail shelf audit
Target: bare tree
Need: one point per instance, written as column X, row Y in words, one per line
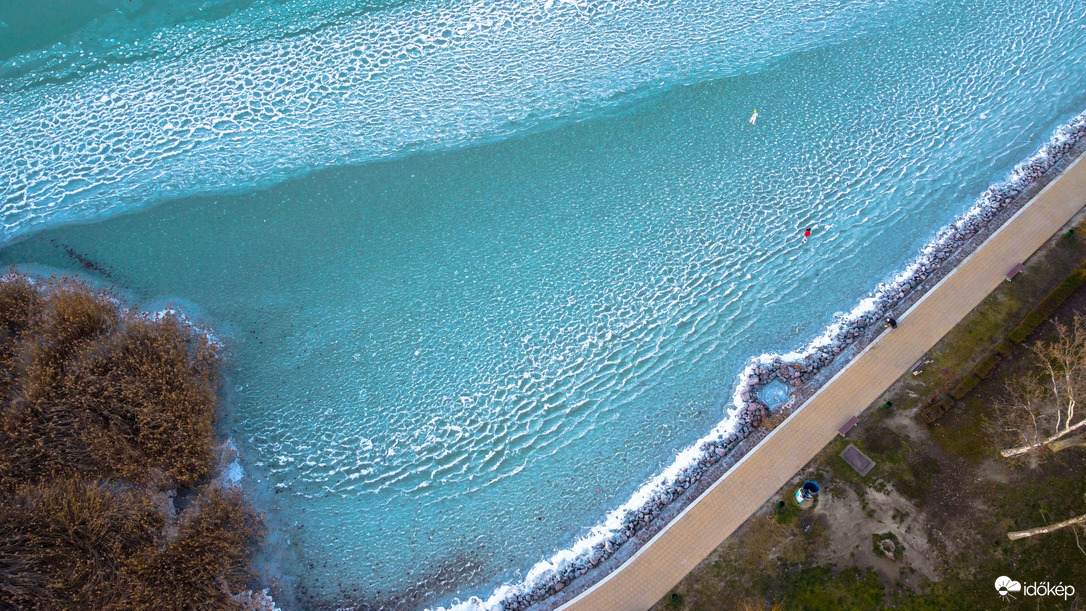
column 1041, row 411
column 1075, row 523
column 1040, row 530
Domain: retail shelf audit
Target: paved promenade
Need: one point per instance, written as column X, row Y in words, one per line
column 658, row 566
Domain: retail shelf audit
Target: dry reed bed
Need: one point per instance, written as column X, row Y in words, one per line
column 107, row 496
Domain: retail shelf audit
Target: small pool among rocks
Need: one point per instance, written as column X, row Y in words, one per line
column 774, row 394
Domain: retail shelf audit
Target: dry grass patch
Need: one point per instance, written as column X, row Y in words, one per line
column 106, row 414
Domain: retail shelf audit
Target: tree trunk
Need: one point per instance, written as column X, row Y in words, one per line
column 1063, row 444
column 1033, row 446
column 1040, row 530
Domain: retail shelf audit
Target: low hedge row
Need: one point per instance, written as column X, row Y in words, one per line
column 1048, row 305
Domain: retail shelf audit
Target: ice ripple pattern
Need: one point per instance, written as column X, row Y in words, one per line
column 504, row 379
column 346, row 87
column 675, row 288
column 552, row 575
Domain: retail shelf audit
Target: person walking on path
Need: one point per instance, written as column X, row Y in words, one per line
column 890, row 322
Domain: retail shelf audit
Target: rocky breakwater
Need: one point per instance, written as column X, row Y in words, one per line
column 795, row 369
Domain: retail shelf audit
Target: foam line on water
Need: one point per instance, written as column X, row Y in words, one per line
column 797, row 367
column 231, row 111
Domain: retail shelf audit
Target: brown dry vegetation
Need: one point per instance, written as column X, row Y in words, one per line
column 106, row 416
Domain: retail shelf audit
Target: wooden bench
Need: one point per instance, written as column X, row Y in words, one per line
column 848, row 426
column 1014, row 271
column 918, row 367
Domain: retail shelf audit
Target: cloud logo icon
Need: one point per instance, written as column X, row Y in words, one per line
column 1005, row 585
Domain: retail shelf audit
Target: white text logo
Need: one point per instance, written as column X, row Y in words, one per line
column 1006, row 586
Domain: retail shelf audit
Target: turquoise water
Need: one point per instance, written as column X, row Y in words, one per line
column 554, row 241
